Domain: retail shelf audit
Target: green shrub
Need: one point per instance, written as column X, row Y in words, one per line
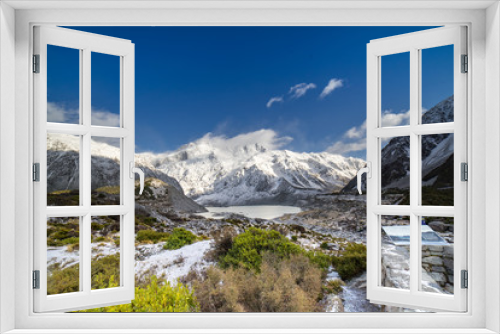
column 61, row 234
column 157, row 296
column 249, row 247
column 320, row 259
column 179, row 238
column 352, row 261
column 145, row 219
column 145, row 236
column 105, row 270
column 294, row 238
column 63, row 280
column 96, row 226
column 324, row 246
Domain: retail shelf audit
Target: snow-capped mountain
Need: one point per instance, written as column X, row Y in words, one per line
column 249, row 170
column 63, row 164
column 437, row 151
column 214, row 170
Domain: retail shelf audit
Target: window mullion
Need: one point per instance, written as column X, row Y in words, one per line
column 86, row 178
column 414, row 169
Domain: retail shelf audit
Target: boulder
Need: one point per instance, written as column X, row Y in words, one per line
column 433, row 260
column 438, row 277
column 438, row 226
column 435, row 248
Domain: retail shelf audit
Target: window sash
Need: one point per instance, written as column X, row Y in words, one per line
column 86, row 43
column 413, row 43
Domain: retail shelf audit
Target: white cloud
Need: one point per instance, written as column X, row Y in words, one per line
column 105, row 118
column 300, row 89
column 391, row 119
column 265, row 138
column 356, row 132
column 354, row 139
column 58, row 113
column 275, row 99
column 332, row 85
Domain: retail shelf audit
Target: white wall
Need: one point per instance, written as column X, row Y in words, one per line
column 492, row 147
column 7, row 160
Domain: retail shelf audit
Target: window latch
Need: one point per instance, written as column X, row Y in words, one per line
column 368, row 171
column 133, row 170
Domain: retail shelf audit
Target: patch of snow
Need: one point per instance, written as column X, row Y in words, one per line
column 151, row 259
column 171, row 264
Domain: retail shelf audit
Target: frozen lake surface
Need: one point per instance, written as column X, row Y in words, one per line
column 251, row 211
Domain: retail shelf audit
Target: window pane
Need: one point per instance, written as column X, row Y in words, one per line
column 437, row 254
column 395, row 90
column 63, row 169
column 105, row 90
column 63, row 85
column 63, row 255
column 105, row 170
column 395, row 252
column 437, row 169
column 105, row 252
column 395, row 174
column 437, row 85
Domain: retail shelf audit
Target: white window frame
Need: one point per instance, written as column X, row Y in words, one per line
column 85, row 44
column 413, row 44
column 484, row 50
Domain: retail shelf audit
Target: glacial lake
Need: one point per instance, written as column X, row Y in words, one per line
column 251, row 211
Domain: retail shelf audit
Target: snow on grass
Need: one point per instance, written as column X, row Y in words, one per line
column 60, row 255
column 170, row 264
column 150, row 259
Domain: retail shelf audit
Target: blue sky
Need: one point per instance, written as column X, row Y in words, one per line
column 195, row 80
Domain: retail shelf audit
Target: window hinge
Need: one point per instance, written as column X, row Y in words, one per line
column 465, row 279
column 465, row 64
column 464, row 168
column 36, row 172
column 36, row 279
column 36, row 63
